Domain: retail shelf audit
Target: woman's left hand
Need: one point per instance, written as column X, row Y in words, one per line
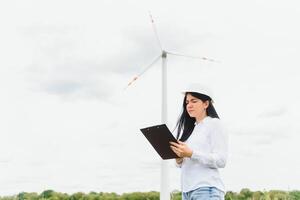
column 181, row 149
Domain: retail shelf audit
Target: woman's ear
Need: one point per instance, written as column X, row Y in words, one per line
column 206, row 104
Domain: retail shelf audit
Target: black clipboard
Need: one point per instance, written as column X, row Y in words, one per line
column 159, row 137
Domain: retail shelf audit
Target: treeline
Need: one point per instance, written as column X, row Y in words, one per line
column 244, row 194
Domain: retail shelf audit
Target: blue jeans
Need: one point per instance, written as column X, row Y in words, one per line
column 203, row 193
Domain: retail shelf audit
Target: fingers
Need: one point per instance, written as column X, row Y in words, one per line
column 180, row 149
column 181, row 142
column 176, row 151
column 177, row 147
column 174, row 143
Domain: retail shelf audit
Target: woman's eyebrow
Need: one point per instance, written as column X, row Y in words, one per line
column 192, row 99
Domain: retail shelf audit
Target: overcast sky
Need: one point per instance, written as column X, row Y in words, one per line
column 68, row 124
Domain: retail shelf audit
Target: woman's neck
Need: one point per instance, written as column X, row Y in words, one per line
column 200, row 118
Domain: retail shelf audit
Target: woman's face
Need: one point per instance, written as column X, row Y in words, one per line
column 196, row 107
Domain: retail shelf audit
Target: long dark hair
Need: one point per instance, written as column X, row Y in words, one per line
column 185, row 123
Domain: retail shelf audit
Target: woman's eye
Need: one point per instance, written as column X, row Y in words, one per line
column 195, row 101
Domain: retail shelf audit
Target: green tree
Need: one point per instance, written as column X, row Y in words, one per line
column 257, row 195
column 47, row 194
column 230, row 195
column 245, row 194
column 294, row 195
column 176, row 195
column 77, row 196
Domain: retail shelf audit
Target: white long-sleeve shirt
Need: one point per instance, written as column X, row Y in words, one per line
column 209, row 143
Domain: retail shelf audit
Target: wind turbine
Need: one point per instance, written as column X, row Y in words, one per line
column 164, row 180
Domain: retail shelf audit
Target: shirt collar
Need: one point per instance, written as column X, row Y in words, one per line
column 203, row 120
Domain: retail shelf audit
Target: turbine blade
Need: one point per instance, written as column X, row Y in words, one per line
column 155, row 32
column 142, row 72
column 195, row 57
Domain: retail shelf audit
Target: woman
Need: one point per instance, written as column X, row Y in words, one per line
column 202, row 147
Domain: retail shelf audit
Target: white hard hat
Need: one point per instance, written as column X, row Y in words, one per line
column 199, row 88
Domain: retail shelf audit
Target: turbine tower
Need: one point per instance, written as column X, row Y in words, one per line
column 164, row 178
